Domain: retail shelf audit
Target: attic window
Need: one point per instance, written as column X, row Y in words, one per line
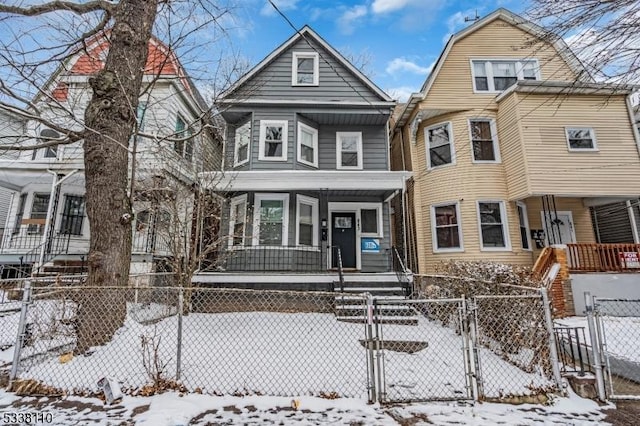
column 498, row 75
column 305, row 69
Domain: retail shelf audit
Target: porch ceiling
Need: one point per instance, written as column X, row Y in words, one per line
column 15, row 175
column 355, row 182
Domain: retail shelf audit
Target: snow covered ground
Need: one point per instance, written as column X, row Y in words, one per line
column 172, row 409
column 267, row 353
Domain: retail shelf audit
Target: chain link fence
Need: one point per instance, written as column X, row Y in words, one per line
column 618, row 331
column 153, row 336
column 215, row 341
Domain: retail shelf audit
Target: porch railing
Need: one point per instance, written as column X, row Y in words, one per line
column 402, row 272
column 592, row 257
column 274, row 258
column 543, row 264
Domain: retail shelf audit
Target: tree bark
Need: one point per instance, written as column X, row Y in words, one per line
column 110, row 119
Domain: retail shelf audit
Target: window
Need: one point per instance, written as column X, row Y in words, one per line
column 271, row 218
column 493, row 229
column 439, row 145
column 349, row 150
column 307, row 145
column 581, row 139
column 525, row 235
column 21, row 204
column 484, row 141
column 305, row 69
column 72, row 215
column 307, row 221
column 47, row 135
column 371, row 222
column 142, row 220
column 447, row 233
column 498, row 75
column 237, row 221
column 273, row 140
column 39, row 211
column 184, row 148
column 243, row 137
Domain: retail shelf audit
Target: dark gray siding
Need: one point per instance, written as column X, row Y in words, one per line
column 336, row 83
column 374, row 143
column 371, row 262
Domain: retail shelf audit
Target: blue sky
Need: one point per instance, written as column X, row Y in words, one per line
column 401, row 38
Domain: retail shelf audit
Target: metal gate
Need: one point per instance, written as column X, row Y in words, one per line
column 423, row 350
column 617, row 327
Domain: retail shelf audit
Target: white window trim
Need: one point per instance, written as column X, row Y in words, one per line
column 316, row 68
column 314, row 132
column 256, row 217
column 263, row 133
column 234, row 202
column 452, row 148
column 434, row 236
column 523, row 206
column 505, row 226
column 237, row 163
column 489, row 71
column 313, row 202
column 592, row 133
column 339, row 165
column 371, row 206
column 494, row 136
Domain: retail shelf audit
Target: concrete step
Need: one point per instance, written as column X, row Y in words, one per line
column 381, row 320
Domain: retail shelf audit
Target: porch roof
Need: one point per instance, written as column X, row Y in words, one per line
column 15, row 174
column 301, row 180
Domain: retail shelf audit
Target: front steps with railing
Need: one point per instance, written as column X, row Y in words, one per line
column 351, row 307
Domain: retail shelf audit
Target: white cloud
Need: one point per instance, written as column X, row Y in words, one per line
column 402, row 93
column 385, row 6
column 283, row 5
column 350, row 17
column 403, row 65
column 457, row 21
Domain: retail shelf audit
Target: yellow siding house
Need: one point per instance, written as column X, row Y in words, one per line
column 510, row 143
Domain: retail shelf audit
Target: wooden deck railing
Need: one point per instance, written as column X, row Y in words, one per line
column 585, row 257
column 543, row 264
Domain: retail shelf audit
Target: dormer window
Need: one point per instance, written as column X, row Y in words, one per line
column 305, row 69
column 498, row 75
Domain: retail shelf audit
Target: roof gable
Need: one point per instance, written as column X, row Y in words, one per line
column 329, row 58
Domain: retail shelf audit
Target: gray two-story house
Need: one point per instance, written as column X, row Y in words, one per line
column 307, row 173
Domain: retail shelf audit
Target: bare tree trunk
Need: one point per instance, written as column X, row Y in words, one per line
column 110, row 118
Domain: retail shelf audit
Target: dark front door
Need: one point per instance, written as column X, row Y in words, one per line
column 343, row 235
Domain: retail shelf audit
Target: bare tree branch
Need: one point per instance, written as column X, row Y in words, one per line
column 78, row 8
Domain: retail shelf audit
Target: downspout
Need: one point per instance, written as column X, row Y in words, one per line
column 632, row 120
column 48, row 220
column 632, row 221
column 6, row 221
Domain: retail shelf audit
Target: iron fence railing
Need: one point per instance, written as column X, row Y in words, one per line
column 573, row 351
column 274, row 258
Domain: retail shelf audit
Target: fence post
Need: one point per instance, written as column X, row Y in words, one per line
column 22, row 325
column 473, row 332
column 370, row 349
column 469, row 351
column 595, row 345
column 179, row 349
column 553, row 349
